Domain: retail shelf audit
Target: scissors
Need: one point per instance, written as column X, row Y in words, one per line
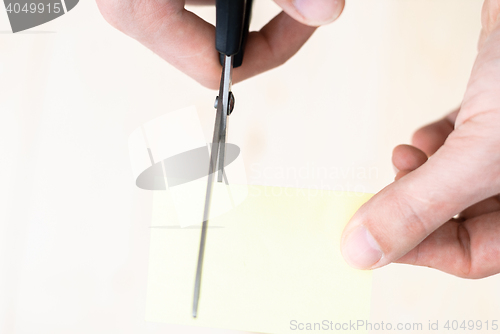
column 232, row 24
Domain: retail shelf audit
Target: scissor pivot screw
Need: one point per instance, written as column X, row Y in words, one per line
column 231, row 103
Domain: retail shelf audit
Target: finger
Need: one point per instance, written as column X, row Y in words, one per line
column 431, row 137
column 177, row 35
column 470, row 249
column 488, row 205
column 313, row 12
column 272, row 46
column 200, row 2
column 402, row 173
column 407, row 158
column 187, row 42
column 309, row 12
column 403, row 214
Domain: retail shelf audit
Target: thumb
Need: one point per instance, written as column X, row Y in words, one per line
column 464, row 171
column 313, row 12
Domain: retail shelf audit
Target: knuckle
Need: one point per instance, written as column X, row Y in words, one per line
column 398, row 226
column 465, row 268
column 416, row 223
column 136, row 17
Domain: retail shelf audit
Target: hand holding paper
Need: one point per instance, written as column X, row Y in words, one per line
column 411, row 221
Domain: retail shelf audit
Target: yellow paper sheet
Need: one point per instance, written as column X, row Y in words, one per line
column 272, row 260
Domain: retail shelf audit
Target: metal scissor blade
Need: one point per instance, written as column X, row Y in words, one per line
column 216, row 163
column 225, row 98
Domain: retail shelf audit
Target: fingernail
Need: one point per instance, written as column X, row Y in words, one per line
column 318, row 12
column 360, row 250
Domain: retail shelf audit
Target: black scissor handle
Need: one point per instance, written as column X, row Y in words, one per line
column 231, row 31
